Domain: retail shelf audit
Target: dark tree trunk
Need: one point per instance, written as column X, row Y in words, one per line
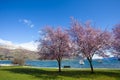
column 91, row 66
column 59, row 65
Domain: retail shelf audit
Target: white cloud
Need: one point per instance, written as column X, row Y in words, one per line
column 97, row 57
column 32, row 25
column 39, row 31
column 5, row 42
column 100, row 57
column 29, row 45
column 27, row 22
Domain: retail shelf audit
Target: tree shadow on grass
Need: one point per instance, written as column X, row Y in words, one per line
column 39, row 73
column 54, row 74
column 87, row 74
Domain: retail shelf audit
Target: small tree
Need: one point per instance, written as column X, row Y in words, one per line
column 19, row 57
column 89, row 41
column 54, row 45
column 116, row 43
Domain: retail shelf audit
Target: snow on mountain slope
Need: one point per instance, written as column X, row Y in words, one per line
column 32, row 46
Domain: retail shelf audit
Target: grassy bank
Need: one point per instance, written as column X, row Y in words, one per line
column 25, row 73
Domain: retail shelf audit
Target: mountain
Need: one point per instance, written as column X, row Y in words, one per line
column 19, row 52
column 32, row 46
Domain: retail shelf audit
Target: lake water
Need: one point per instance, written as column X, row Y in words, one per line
column 106, row 63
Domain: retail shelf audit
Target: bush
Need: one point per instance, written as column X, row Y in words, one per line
column 19, row 58
column 19, row 61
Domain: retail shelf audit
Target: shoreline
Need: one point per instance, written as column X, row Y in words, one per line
column 6, row 65
column 2, row 65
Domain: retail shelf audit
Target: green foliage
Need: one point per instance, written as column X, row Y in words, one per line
column 23, row 73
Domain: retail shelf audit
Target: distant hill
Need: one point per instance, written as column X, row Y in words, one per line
column 6, row 52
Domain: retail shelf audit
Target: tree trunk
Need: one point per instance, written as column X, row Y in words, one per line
column 91, row 66
column 59, row 65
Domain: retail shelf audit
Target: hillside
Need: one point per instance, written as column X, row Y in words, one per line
column 6, row 53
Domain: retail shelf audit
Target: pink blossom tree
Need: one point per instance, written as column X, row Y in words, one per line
column 54, row 45
column 116, row 43
column 89, row 41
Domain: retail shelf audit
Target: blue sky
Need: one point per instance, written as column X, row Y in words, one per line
column 20, row 20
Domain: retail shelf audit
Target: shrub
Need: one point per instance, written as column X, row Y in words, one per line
column 19, row 61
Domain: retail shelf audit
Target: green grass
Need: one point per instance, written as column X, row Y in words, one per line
column 27, row 73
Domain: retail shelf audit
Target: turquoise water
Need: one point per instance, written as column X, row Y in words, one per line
column 106, row 63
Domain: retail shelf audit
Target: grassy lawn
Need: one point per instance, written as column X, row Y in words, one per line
column 27, row 73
